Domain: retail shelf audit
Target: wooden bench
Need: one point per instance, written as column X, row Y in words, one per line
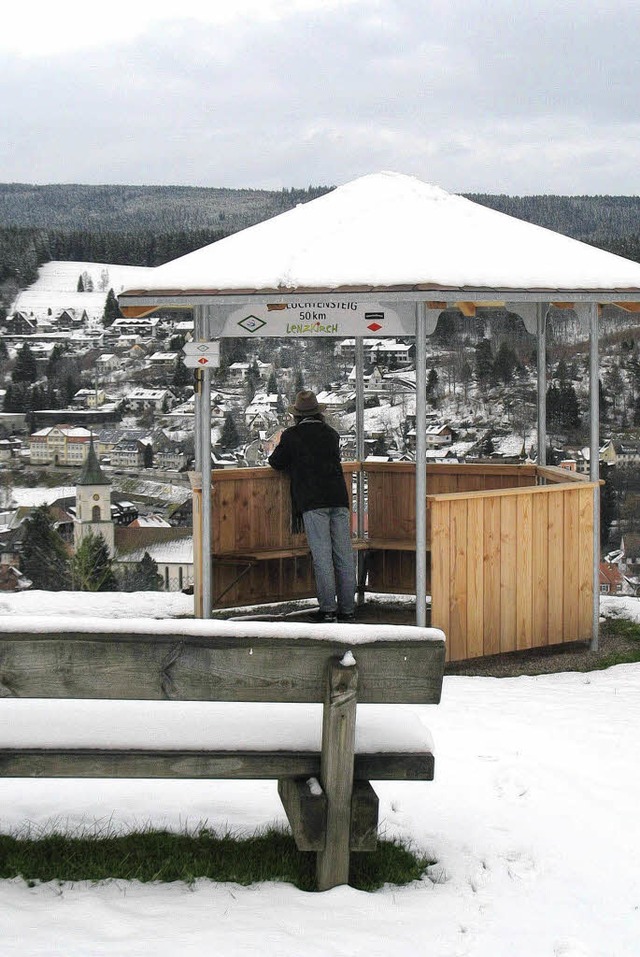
column 323, row 762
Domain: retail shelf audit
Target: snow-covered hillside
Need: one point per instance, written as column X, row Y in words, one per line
column 56, row 287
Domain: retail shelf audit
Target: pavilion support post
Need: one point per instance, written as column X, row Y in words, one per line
column 197, row 417
column 205, row 446
column 361, row 557
column 421, row 465
column 594, row 465
column 541, row 322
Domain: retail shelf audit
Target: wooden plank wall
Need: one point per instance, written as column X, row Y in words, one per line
column 251, row 513
column 251, row 510
column 512, row 570
column 392, row 510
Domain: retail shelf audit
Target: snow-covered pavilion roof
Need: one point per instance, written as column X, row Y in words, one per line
column 390, row 233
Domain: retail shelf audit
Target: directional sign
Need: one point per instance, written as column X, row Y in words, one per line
column 201, row 349
column 201, row 362
column 315, row 318
column 199, row 355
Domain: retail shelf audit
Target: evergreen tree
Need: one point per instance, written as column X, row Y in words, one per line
column 25, row 369
column 505, row 363
column 147, row 455
column 570, row 407
column 432, row 388
column 56, row 357
column 229, row 437
column 181, row 375
column 80, row 286
column 445, row 328
column 554, row 412
column 44, row 559
column 272, row 384
column 92, row 567
column 484, row 361
column 16, row 398
column 298, row 382
column 466, row 375
column 143, row 576
column 487, row 447
column 562, row 373
column 111, row 309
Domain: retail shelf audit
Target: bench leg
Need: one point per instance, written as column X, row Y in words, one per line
column 336, row 772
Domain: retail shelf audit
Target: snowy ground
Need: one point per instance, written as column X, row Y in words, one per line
column 57, row 284
column 533, row 821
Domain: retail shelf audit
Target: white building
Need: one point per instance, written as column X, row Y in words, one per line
column 60, row 445
column 140, row 399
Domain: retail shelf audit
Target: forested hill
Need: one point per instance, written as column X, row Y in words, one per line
column 126, row 225
column 130, row 208
column 149, row 225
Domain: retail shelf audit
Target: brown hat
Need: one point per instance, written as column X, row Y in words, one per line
column 306, row 403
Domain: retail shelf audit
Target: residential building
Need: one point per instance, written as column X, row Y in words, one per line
column 170, row 458
column 163, row 360
column 144, row 327
column 156, row 399
column 611, row 581
column 107, row 362
column 372, row 379
column 627, row 454
column 128, row 454
column 19, row 324
column 387, row 352
column 170, row 548
column 90, row 398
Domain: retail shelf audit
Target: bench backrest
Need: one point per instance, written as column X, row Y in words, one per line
column 213, row 668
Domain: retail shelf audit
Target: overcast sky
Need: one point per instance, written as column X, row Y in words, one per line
column 500, row 96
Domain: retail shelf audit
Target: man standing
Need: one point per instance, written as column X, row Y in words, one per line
column 309, row 452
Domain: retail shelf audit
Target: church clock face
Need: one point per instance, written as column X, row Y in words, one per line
column 96, row 497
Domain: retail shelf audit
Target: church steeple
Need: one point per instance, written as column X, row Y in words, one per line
column 91, row 473
column 93, row 502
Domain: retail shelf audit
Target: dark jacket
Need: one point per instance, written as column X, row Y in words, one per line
column 310, row 453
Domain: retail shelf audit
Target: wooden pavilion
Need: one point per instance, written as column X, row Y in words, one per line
column 508, row 554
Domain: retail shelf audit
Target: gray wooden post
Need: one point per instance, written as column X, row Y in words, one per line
column 541, row 326
column 594, row 466
column 361, row 557
column 336, row 772
column 421, row 465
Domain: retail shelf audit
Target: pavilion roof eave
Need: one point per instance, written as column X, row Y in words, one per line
column 446, row 295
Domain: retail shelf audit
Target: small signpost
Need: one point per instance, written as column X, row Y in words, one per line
column 201, row 355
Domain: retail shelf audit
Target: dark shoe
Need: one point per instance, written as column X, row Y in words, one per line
column 324, row 616
column 346, row 616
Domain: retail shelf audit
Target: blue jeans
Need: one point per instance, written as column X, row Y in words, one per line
column 329, row 536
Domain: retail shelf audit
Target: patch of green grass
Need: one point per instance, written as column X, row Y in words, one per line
column 622, row 627
column 629, row 632
column 162, row 856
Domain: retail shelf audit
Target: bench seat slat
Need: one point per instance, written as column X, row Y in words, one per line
column 92, row 763
column 191, row 668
